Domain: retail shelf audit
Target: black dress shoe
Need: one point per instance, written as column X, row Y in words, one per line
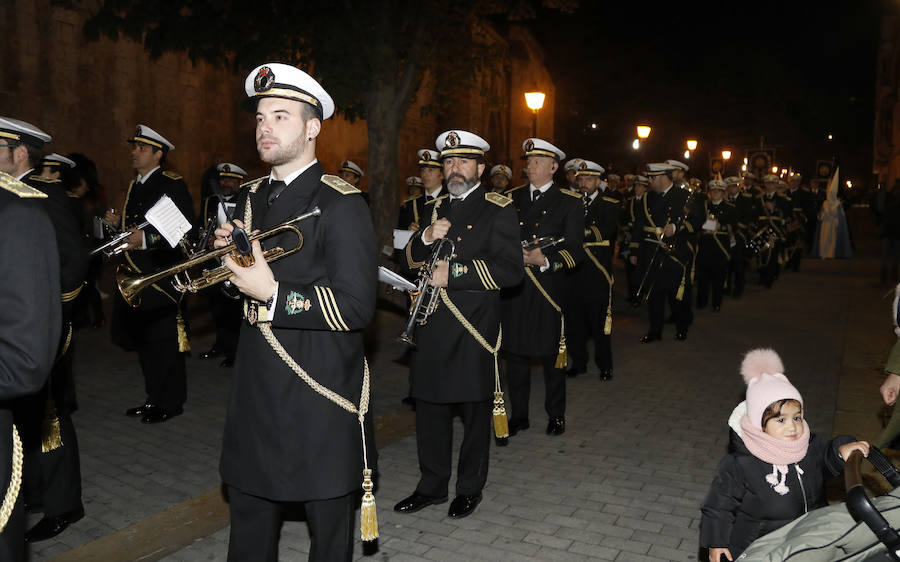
column 137, row 411
column 49, row 527
column 648, row 338
column 227, row 363
column 212, row 354
column 606, row 375
column 515, row 426
column 556, row 426
column 575, row 371
column 681, row 336
column 156, row 414
column 417, row 501
column 462, row 506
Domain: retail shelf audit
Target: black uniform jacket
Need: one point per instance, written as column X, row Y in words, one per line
column 284, row 441
column 159, row 254
column 30, row 309
column 449, row 364
column 715, row 245
column 657, row 210
column 418, row 209
column 744, row 204
column 592, row 278
column 531, row 325
column 742, row 506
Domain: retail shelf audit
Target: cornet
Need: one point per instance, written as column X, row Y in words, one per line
column 130, row 285
column 117, row 244
column 425, row 297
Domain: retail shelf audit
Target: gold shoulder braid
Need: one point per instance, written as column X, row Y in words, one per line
column 501, row 423
column 15, row 481
column 20, row 188
column 561, row 356
column 368, row 525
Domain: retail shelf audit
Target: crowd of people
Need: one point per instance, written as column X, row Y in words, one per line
column 518, row 274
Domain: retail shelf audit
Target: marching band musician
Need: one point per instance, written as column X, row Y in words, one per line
column 665, row 225
column 501, row 175
column 226, row 311
column 715, row 245
column 589, row 309
column 771, row 210
column 30, row 321
column 297, row 427
column 156, row 329
column 418, row 207
column 532, row 311
column 455, row 366
column 630, row 246
column 735, row 278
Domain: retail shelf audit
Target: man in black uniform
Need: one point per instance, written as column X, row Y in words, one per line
column 225, row 310
column 715, row 245
column 500, row 178
column 665, row 225
column 589, row 308
column 293, row 432
column 418, row 208
column 735, row 277
column 630, row 246
column 455, row 365
column 156, row 328
column 30, row 322
column 532, row 311
column 52, row 479
column 771, row 210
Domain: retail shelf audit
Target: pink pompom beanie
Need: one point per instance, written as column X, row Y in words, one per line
column 764, row 374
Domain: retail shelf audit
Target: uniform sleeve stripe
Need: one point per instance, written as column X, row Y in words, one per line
column 480, row 274
column 323, row 304
column 339, row 320
column 485, row 274
column 570, row 261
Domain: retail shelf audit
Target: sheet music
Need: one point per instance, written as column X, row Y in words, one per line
column 221, row 215
column 393, row 279
column 401, row 238
column 168, row 220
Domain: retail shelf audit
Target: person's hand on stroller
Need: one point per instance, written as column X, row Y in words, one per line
column 848, row 448
column 715, row 554
column 890, row 388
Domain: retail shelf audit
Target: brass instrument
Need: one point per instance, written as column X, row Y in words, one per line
column 425, row 297
column 117, row 244
column 764, row 239
column 541, row 243
column 130, row 285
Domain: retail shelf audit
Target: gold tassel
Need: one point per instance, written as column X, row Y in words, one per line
column 50, row 434
column 561, row 356
column 183, row 343
column 501, row 423
column 680, row 294
column 368, row 517
column 607, row 326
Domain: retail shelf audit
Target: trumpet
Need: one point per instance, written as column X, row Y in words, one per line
column 117, row 244
column 541, row 243
column 131, row 284
column 425, row 297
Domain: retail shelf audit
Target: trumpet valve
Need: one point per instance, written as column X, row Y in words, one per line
column 242, row 260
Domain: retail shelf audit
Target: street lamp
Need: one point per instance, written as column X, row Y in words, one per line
column 643, row 131
column 687, row 153
column 692, row 144
column 726, row 155
column 636, row 144
column 534, row 101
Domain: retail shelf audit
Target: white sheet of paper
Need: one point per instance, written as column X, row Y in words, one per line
column 709, row 225
column 221, row 218
column 401, row 238
column 393, row 279
column 168, row 220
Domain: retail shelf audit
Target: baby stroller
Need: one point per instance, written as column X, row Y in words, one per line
column 859, row 529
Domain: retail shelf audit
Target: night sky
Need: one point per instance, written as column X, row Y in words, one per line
column 724, row 73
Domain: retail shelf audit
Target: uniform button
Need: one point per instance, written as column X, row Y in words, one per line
column 521, row 223
column 469, row 226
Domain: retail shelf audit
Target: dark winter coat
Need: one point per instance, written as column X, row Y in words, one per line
column 742, row 506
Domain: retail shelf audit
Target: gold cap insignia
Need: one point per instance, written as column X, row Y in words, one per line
column 529, row 145
column 582, row 166
column 452, row 140
column 264, row 79
column 426, row 156
column 226, row 168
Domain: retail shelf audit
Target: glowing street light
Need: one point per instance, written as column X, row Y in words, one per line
column 593, row 125
column 726, row 155
column 691, row 145
column 687, row 153
column 743, row 167
column 849, row 184
column 643, row 131
column 774, row 169
column 636, row 144
column 535, row 100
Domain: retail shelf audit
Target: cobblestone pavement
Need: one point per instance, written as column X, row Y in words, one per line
column 623, row 483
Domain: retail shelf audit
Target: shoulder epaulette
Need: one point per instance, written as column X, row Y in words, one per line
column 173, row 175
column 570, row 193
column 19, row 188
column 253, row 184
column 511, row 189
column 43, row 179
column 497, row 199
column 611, row 199
column 412, row 198
column 339, row 185
column 745, row 194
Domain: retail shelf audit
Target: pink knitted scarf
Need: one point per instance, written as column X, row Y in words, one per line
column 771, row 450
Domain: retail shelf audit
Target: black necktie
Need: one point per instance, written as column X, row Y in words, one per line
column 275, row 189
column 536, row 195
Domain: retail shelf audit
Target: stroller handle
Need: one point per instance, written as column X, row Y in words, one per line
column 860, row 506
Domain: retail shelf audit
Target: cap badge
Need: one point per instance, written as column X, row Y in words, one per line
column 226, row 168
column 582, row 166
column 264, row 79
column 426, row 156
column 137, row 131
column 452, row 140
column 529, row 145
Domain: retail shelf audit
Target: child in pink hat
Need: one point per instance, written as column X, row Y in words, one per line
column 776, row 470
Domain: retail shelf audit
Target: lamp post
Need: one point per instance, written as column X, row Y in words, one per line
column 534, row 101
column 691, row 145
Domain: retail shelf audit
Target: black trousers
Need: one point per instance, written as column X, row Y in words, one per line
column 518, row 371
column 12, row 539
column 711, row 271
column 681, row 309
column 256, row 528
column 585, row 320
column 226, row 313
column 737, row 270
column 434, row 444
column 165, row 380
column 53, row 479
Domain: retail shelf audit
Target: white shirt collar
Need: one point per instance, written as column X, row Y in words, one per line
column 466, row 194
column 141, row 179
column 26, row 174
column 293, row 175
column 594, row 195
column 667, row 189
column 434, row 193
column 543, row 189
